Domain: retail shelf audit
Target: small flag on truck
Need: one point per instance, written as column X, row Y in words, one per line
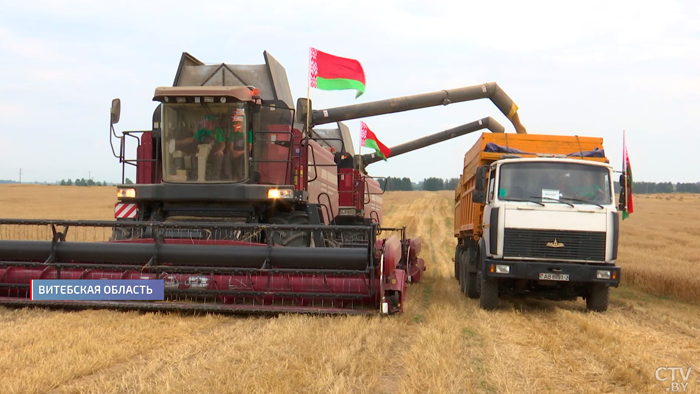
column 370, row 140
column 626, row 191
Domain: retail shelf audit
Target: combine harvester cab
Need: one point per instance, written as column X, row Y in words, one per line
column 237, row 207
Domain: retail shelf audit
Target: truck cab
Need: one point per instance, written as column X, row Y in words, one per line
column 550, row 229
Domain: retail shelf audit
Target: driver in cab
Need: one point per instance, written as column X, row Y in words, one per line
column 588, row 189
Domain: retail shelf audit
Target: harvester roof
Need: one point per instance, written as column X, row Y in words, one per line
column 241, row 93
column 270, row 77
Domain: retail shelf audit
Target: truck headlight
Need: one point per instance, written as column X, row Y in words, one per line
column 502, row 269
column 602, row 274
column 280, row 193
column 126, row 193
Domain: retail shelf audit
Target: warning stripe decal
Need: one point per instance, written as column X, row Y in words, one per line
column 124, row 210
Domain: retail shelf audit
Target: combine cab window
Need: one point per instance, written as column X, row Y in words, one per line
column 207, row 142
column 548, row 181
column 272, row 140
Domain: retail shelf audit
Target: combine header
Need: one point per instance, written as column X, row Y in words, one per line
column 237, row 207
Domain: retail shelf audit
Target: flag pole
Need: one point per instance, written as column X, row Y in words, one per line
column 624, row 168
column 360, row 152
column 308, row 97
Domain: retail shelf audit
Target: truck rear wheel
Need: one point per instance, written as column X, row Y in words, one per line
column 488, row 299
column 458, row 257
column 472, row 290
column 598, row 298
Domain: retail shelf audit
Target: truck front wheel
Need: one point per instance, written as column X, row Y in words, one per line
column 488, row 297
column 598, row 298
column 471, row 287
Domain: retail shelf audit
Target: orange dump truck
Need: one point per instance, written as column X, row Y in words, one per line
column 535, row 216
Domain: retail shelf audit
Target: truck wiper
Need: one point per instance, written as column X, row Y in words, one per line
column 555, row 199
column 522, row 200
column 583, row 201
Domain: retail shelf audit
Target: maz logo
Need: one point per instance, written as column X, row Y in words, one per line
column 555, row 244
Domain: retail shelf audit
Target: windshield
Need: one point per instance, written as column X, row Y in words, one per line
column 548, row 182
column 206, row 142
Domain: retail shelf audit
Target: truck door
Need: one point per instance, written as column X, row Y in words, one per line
column 488, row 208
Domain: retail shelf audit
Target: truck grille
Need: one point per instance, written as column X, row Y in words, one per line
column 563, row 245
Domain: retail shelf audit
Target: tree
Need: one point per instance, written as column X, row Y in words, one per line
column 452, row 183
column 69, row 183
column 63, row 182
column 128, row 182
column 406, row 184
column 434, row 184
column 90, row 182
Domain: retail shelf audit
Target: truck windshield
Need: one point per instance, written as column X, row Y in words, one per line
column 205, row 142
column 547, row 182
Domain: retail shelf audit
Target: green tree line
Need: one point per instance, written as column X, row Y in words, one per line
column 661, row 187
column 430, row 184
column 88, row 182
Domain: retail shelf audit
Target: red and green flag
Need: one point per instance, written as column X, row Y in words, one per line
column 627, row 171
column 329, row 72
column 370, row 140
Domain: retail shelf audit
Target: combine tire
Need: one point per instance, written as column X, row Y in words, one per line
column 598, row 297
column 488, row 299
column 291, row 237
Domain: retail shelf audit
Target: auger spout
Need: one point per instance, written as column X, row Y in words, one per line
column 489, row 90
column 484, row 123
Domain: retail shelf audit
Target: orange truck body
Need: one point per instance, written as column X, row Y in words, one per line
column 468, row 215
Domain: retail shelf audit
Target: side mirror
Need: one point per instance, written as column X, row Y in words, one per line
column 480, row 182
column 303, row 107
column 115, row 111
column 478, row 197
column 479, row 194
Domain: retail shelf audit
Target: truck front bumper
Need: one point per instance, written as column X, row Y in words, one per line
column 548, row 271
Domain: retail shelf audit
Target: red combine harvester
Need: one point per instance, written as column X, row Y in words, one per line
column 238, row 207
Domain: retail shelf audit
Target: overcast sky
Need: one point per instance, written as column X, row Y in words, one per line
column 591, row 68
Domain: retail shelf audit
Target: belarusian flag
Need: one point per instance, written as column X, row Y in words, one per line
column 370, row 140
column 627, row 170
column 328, row 72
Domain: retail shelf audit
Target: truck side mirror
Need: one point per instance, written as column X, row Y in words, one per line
column 480, row 182
column 303, row 107
column 479, row 194
column 115, row 111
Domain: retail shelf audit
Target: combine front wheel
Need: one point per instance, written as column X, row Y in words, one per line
column 291, row 237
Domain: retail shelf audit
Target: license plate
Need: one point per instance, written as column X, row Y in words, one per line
column 561, row 277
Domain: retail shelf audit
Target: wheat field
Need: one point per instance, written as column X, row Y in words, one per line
column 443, row 343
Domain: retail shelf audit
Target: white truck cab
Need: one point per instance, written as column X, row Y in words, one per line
column 550, row 230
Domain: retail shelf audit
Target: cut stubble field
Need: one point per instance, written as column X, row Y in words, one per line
column 443, row 343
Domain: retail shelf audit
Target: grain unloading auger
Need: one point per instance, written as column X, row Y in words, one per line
column 236, row 207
